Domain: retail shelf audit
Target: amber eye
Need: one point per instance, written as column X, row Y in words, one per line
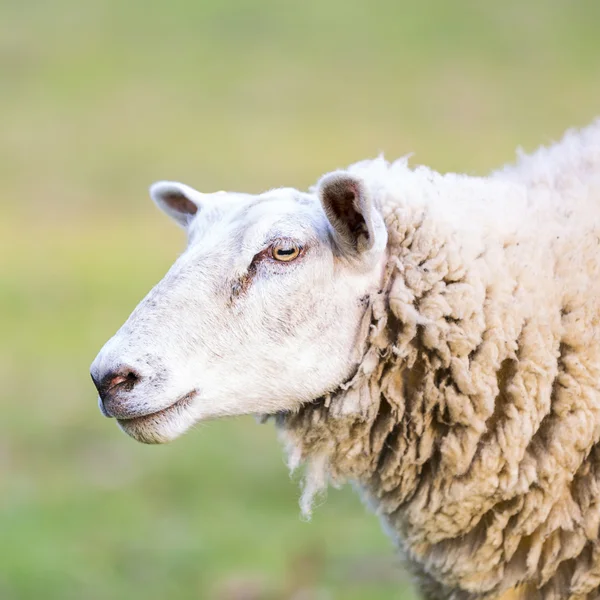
column 285, row 251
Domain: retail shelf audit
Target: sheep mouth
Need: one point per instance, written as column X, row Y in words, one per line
column 160, row 415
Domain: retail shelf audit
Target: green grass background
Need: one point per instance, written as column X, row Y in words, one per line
column 100, row 98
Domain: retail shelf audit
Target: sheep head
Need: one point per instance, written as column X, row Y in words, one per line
column 259, row 315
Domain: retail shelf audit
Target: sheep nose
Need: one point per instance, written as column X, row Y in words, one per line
column 113, row 388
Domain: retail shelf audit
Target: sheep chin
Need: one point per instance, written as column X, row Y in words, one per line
column 163, row 426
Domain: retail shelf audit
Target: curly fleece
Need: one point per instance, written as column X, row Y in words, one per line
column 471, row 424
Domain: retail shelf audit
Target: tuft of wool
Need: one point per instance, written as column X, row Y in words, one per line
column 472, row 420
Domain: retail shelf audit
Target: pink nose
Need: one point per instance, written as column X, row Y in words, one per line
column 114, row 386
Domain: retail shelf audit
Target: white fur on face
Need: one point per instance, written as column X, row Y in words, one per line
column 230, row 330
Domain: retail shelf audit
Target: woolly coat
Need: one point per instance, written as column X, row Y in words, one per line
column 471, row 424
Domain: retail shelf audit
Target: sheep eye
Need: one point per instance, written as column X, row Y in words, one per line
column 285, row 252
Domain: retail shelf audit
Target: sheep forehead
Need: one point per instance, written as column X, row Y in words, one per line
column 247, row 218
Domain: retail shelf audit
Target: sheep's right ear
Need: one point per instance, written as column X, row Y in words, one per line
column 181, row 202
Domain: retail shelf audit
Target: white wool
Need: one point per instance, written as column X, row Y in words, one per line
column 472, row 421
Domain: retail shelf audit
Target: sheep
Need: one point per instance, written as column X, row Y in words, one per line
column 432, row 339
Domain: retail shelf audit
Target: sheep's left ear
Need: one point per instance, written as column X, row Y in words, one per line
column 358, row 226
column 181, row 202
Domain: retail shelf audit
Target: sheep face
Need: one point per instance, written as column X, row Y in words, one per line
column 260, row 314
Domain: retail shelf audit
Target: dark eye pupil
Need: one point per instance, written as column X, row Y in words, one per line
column 287, row 252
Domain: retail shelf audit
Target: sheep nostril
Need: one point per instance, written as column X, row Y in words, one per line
column 125, row 381
column 120, row 380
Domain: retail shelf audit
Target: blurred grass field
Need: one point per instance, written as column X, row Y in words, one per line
column 100, row 98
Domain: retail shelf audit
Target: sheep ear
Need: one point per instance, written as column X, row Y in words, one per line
column 181, row 202
column 358, row 227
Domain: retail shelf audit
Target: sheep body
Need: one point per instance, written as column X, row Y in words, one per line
column 471, row 424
